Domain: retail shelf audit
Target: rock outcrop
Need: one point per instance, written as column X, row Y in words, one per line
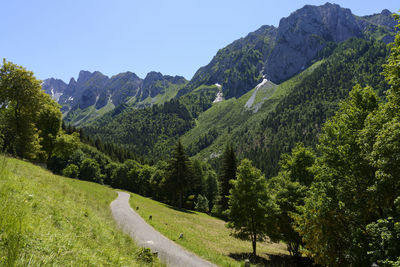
column 279, row 53
column 97, row 89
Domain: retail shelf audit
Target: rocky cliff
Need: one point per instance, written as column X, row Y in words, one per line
column 97, row 89
column 283, row 51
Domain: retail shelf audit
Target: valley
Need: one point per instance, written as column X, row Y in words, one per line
column 281, row 151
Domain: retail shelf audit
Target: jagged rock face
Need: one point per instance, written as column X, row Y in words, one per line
column 152, row 84
column 155, row 83
column 124, row 86
column 92, row 86
column 54, row 87
column 279, row 53
column 305, row 33
column 384, row 18
column 97, row 89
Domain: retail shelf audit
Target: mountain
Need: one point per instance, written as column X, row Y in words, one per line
column 270, row 119
column 280, row 85
column 274, row 87
column 94, row 94
column 54, row 87
column 278, row 53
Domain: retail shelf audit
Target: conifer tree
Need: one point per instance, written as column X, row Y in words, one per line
column 227, row 173
column 179, row 175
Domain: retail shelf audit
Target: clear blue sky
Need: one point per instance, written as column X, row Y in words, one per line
column 58, row 38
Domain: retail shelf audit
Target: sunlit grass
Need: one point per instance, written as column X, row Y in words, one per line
column 48, row 220
column 204, row 235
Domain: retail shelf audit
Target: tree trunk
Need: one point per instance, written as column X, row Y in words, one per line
column 180, row 200
column 254, row 243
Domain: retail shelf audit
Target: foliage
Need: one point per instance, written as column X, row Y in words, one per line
column 300, row 114
column 202, row 204
column 148, row 131
column 341, row 188
column 71, row 171
column 292, row 112
column 288, row 190
column 249, row 204
column 351, row 213
column 227, row 173
column 90, row 170
column 30, row 119
column 66, row 145
column 179, row 176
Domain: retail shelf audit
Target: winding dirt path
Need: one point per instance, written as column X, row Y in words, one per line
column 146, row 236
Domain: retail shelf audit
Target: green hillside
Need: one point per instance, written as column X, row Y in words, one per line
column 217, row 124
column 290, row 112
column 55, row 221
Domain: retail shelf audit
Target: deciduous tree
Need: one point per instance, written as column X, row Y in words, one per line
column 249, row 204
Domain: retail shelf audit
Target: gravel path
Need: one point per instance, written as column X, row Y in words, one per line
column 145, row 235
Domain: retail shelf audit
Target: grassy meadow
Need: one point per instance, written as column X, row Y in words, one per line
column 48, row 220
column 204, row 235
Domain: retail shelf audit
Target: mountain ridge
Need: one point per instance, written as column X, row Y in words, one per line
column 283, row 51
column 96, row 90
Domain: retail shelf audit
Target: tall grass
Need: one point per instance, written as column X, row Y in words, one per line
column 12, row 218
column 48, row 220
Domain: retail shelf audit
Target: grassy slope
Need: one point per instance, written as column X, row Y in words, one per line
column 204, row 235
column 51, row 220
column 170, row 92
column 89, row 114
column 230, row 116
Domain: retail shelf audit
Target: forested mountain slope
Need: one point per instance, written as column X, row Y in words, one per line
column 294, row 110
column 150, row 131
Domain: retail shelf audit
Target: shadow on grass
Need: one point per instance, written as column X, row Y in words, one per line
column 273, row 261
column 178, row 209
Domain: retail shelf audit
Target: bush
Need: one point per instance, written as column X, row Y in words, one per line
column 71, row 171
column 90, row 171
column 201, row 204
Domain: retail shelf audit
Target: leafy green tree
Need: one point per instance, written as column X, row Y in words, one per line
column 21, row 101
column 49, row 124
column 384, row 238
column 120, row 177
column 108, row 171
column 227, row 173
column 65, row 145
column 288, row 191
column 71, row 171
column 90, row 170
column 249, row 204
column 179, row 175
column 201, row 204
column 157, row 180
column 336, row 209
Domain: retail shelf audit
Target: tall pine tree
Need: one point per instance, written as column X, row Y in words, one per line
column 227, row 173
column 179, row 175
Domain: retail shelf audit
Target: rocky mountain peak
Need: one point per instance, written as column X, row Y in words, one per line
column 152, row 77
column 84, row 76
column 386, row 12
column 72, row 81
